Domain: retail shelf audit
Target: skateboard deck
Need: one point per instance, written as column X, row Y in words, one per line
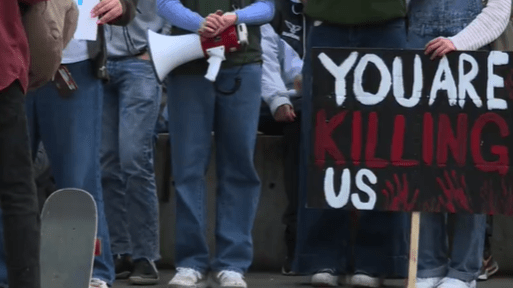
column 68, row 233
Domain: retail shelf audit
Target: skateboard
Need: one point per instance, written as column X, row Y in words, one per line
column 68, row 232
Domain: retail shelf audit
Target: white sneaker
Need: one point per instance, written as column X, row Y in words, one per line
column 230, row 279
column 325, row 278
column 456, row 283
column 97, row 283
column 188, row 278
column 432, row 282
column 363, row 280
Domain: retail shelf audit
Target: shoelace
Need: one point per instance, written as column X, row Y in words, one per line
column 229, row 274
column 188, row 272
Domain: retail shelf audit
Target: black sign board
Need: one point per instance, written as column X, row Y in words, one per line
column 393, row 130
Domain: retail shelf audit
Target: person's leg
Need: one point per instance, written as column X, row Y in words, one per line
column 161, row 125
column 71, row 132
column 433, row 247
column 34, row 140
column 322, row 235
column 20, row 213
column 3, row 266
column 139, row 100
column 375, row 253
column 291, row 136
column 467, row 251
column 377, row 259
column 191, row 104
column 113, row 182
column 490, row 266
column 238, row 191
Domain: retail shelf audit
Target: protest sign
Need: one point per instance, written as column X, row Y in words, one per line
column 393, row 130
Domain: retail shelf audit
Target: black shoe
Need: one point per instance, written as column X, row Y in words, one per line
column 290, row 240
column 145, row 273
column 123, row 265
column 286, row 269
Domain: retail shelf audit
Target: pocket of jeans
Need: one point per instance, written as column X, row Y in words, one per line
column 142, row 68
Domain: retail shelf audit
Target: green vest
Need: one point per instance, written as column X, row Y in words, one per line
column 251, row 53
column 356, row 12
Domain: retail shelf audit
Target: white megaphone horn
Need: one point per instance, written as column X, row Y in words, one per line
column 169, row 52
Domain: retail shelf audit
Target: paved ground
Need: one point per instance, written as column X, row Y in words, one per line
column 264, row 280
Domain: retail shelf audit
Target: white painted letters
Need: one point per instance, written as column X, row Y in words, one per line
column 355, row 198
column 457, row 93
column 368, row 98
column 464, row 85
column 398, row 87
column 340, row 200
column 495, row 58
column 447, row 83
column 340, row 73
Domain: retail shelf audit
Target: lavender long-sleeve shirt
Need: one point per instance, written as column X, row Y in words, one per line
column 258, row 13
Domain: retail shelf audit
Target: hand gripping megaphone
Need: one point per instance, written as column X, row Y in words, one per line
column 169, row 52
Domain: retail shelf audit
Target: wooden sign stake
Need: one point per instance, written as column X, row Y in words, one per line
column 414, row 249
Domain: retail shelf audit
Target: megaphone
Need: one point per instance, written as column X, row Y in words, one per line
column 169, row 52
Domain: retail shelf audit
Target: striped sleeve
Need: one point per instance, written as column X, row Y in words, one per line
column 485, row 28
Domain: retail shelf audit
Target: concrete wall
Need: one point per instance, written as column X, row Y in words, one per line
column 268, row 231
column 502, row 242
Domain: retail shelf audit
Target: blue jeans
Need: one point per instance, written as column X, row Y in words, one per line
column 195, row 110
column 71, row 133
column 130, row 111
column 162, row 122
column 466, row 257
column 428, row 20
column 323, row 235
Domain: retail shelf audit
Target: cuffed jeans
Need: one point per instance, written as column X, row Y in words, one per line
column 130, row 111
column 466, row 257
column 195, row 110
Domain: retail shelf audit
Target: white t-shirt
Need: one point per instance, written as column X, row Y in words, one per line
column 76, row 51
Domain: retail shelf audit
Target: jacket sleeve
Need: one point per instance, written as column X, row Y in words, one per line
column 274, row 91
column 129, row 10
column 292, row 64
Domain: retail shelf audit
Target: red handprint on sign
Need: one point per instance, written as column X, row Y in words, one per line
column 397, row 199
column 497, row 200
column 454, row 192
column 488, row 197
column 433, row 206
column 507, row 198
